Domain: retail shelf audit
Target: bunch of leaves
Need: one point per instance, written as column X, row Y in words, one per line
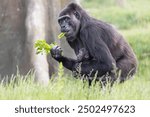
column 43, row 47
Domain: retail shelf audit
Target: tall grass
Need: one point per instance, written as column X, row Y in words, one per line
column 69, row 88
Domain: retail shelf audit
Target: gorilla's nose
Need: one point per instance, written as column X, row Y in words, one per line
column 64, row 29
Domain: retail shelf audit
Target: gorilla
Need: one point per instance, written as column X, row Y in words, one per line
column 99, row 48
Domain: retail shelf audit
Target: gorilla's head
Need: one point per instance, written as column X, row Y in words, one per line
column 69, row 21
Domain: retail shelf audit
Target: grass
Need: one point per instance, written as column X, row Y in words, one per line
column 133, row 21
column 74, row 89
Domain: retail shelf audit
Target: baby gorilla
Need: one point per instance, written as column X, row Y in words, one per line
column 83, row 55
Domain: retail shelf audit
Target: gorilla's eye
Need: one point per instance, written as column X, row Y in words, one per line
column 76, row 14
column 60, row 21
column 66, row 20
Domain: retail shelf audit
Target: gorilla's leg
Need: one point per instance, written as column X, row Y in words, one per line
column 126, row 67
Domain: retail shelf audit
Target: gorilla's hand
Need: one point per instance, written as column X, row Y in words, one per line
column 56, row 52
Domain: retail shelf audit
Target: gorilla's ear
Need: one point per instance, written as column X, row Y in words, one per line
column 77, row 15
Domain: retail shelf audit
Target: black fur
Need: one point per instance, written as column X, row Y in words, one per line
column 106, row 48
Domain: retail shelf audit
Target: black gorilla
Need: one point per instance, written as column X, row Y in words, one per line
column 98, row 46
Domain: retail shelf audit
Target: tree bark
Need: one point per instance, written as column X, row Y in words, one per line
column 12, row 35
column 22, row 22
column 36, row 25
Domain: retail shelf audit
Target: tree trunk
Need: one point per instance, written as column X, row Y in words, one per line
column 12, row 35
column 22, row 22
column 36, row 25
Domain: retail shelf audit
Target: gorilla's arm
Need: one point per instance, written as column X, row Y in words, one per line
column 56, row 53
column 67, row 62
column 93, row 67
column 100, row 65
column 102, row 61
column 87, row 67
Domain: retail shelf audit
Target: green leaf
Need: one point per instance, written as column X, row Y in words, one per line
column 43, row 47
column 61, row 35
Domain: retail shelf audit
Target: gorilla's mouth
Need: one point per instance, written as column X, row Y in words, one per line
column 68, row 34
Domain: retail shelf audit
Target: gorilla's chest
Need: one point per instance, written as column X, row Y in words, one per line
column 80, row 49
column 77, row 45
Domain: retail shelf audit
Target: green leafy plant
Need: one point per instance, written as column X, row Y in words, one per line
column 43, row 47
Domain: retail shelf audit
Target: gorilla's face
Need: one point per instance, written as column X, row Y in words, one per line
column 70, row 25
